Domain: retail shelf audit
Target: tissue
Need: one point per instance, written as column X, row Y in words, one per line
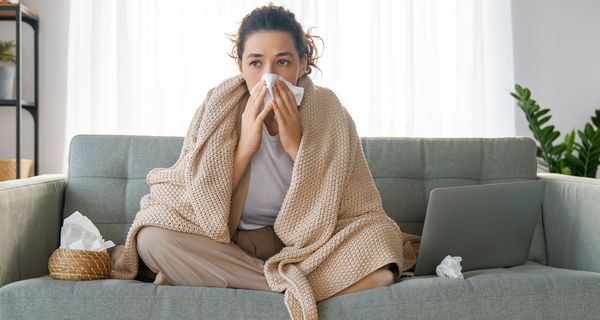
column 450, row 268
column 78, row 232
column 270, row 82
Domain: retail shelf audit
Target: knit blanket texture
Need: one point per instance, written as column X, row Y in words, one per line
column 331, row 221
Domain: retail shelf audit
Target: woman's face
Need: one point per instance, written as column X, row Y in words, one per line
column 271, row 52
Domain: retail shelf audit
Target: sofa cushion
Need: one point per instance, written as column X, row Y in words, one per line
column 531, row 291
column 107, row 177
column 407, row 169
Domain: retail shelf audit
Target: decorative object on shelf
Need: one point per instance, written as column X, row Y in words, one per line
column 16, row 16
column 7, row 168
column 8, row 59
column 570, row 157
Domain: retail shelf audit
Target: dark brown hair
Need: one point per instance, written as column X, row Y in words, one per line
column 274, row 18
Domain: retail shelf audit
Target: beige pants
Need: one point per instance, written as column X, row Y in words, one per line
column 185, row 259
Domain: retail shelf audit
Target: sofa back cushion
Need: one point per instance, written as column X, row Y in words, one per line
column 107, row 177
column 405, row 170
column 107, row 173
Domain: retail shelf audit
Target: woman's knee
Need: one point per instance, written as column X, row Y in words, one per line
column 160, row 241
column 151, row 239
column 381, row 277
column 384, row 277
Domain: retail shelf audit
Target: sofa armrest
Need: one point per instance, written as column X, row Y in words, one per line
column 571, row 214
column 30, row 219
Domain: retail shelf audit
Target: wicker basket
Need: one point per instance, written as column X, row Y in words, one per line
column 72, row 264
column 8, row 169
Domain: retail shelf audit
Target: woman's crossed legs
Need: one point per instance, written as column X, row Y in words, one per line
column 192, row 260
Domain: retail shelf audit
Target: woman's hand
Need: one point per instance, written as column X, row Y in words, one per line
column 288, row 118
column 252, row 121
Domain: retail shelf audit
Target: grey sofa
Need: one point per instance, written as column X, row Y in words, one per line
column 106, row 180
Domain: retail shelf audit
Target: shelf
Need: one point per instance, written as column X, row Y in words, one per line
column 17, row 14
column 9, row 12
column 13, row 103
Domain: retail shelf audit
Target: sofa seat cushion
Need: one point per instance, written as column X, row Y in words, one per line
column 531, row 291
column 132, row 299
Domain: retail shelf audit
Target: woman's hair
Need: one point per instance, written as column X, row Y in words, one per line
column 274, row 18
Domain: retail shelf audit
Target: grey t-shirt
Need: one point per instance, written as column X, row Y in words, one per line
column 270, row 176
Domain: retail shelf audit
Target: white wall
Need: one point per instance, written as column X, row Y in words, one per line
column 52, row 92
column 557, row 56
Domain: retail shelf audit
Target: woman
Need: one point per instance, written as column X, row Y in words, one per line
column 275, row 199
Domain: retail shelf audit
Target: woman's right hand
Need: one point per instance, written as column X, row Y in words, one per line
column 252, row 121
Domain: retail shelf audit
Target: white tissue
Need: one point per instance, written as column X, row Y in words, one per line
column 270, row 82
column 78, row 232
column 450, row 268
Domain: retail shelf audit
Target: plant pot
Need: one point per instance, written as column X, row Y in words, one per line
column 7, row 82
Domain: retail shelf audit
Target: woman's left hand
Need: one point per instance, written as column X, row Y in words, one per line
column 288, row 118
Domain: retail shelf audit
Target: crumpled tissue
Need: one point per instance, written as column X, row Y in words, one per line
column 270, row 82
column 78, row 232
column 450, row 268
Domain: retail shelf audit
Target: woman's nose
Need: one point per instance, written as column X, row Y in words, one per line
column 268, row 68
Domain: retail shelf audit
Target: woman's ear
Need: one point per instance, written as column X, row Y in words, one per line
column 242, row 71
column 304, row 65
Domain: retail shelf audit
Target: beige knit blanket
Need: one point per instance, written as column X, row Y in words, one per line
column 331, row 220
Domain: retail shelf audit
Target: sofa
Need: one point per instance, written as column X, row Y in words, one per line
column 106, row 180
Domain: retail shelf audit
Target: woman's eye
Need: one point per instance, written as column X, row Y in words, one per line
column 283, row 62
column 254, row 63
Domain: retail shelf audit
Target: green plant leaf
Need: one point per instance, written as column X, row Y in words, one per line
column 570, row 139
column 589, row 150
column 582, row 137
column 566, row 170
column 554, row 135
column 575, row 161
column 557, row 150
column 596, row 119
column 564, row 167
column 7, row 51
column 589, row 131
column 519, row 90
column 536, row 117
column 542, row 112
column 543, row 120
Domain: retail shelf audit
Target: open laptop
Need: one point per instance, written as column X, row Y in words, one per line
column 488, row 225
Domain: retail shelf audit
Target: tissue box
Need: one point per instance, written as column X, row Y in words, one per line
column 74, row 264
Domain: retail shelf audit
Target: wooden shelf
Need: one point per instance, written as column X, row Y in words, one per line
column 8, row 11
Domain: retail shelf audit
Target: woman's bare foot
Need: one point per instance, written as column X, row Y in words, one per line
column 382, row 277
column 160, row 280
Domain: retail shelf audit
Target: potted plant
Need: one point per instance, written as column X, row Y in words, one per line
column 8, row 59
column 571, row 157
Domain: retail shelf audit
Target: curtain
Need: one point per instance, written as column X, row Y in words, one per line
column 426, row 68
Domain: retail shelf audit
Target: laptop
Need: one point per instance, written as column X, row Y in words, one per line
column 488, row 225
